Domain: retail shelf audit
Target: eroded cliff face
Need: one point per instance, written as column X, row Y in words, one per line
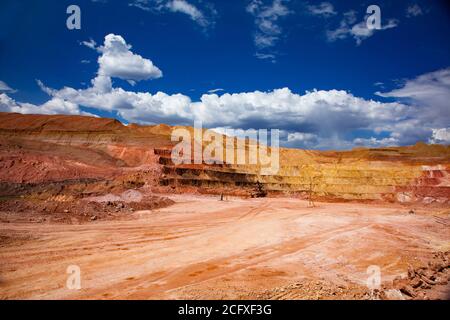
column 411, row 174
column 38, row 149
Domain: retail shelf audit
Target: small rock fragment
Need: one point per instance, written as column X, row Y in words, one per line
column 392, row 294
column 416, row 282
column 408, row 290
column 411, row 272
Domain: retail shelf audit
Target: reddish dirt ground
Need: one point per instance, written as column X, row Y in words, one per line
column 203, row 248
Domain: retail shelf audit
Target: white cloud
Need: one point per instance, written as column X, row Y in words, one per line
column 414, row 11
column 215, row 90
column 6, row 88
column 441, row 136
column 177, row 6
column 283, row 109
column 324, row 9
column 118, row 61
column 343, row 30
column 266, row 56
column 141, row 4
column 90, row 44
column 430, row 93
column 142, row 107
column 374, row 142
column 268, row 30
column 303, row 139
column 53, row 106
column 379, row 84
column 189, row 9
column 359, row 31
column 301, row 136
column 301, row 116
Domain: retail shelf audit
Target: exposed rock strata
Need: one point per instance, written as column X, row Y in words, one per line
column 37, row 149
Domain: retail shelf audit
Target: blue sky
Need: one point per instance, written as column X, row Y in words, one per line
column 309, row 68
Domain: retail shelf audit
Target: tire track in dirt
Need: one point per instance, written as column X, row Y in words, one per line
column 165, row 254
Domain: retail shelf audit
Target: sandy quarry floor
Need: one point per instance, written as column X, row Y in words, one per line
column 204, row 248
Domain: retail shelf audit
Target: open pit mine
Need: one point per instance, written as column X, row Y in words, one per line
column 91, row 208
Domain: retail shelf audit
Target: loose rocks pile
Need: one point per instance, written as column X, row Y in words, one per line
column 420, row 280
column 74, row 211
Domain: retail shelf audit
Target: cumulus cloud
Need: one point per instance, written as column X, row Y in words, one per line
column 281, row 108
column 268, row 30
column 5, row 88
column 324, row 9
column 141, row 107
column 440, row 136
column 119, row 62
column 177, row 6
column 53, row 106
column 359, row 31
column 116, row 60
column 300, row 116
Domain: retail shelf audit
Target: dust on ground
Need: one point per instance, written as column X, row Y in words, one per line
column 203, row 248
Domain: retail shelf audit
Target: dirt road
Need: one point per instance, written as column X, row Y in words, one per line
column 204, row 248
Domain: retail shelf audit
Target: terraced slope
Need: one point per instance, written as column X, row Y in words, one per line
column 38, row 148
column 409, row 174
